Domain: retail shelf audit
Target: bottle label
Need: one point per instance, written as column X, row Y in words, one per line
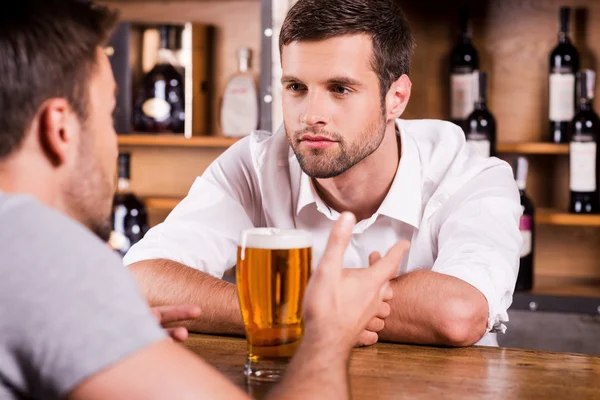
column 463, row 101
column 482, row 146
column 525, row 228
column 158, row 109
column 582, row 168
column 562, row 97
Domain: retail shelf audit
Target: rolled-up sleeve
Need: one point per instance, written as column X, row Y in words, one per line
column 479, row 240
column 202, row 231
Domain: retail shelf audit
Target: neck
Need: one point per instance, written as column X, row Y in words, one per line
column 563, row 37
column 31, row 175
column 362, row 188
column 480, row 105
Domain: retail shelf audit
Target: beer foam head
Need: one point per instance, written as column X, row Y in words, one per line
column 275, row 239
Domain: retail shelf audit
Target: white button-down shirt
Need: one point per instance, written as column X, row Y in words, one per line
column 460, row 212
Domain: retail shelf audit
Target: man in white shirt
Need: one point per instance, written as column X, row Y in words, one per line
column 344, row 148
column 73, row 324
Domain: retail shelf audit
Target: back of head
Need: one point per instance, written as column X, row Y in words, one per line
column 382, row 20
column 47, row 50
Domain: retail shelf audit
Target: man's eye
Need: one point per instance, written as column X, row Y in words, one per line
column 294, row 87
column 340, row 90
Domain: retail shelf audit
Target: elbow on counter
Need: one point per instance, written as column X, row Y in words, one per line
column 465, row 322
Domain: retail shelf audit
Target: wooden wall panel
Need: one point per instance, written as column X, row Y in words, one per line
column 167, row 172
column 568, row 251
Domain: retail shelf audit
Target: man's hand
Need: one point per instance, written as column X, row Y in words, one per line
column 341, row 304
column 370, row 335
column 167, row 315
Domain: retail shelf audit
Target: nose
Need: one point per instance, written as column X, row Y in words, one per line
column 315, row 113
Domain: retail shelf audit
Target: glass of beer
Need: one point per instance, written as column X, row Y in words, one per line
column 273, row 268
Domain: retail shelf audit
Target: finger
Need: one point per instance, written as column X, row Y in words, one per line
column 374, row 257
column 367, row 338
column 375, row 325
column 387, row 293
column 339, row 238
column 178, row 334
column 167, row 314
column 387, row 267
column 383, row 310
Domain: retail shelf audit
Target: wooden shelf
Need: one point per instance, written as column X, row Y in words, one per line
column 547, row 216
column 161, row 203
column 533, row 148
column 169, row 140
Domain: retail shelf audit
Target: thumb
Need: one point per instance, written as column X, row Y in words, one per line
column 337, row 244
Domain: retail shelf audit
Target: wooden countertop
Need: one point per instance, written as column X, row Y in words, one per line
column 393, row 371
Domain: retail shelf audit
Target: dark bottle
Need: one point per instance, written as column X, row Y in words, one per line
column 564, row 64
column 480, row 128
column 160, row 102
column 527, row 228
column 129, row 220
column 464, row 61
column 583, row 149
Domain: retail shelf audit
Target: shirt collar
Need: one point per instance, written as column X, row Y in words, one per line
column 403, row 201
column 308, row 195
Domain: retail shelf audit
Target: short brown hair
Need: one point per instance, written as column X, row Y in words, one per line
column 383, row 20
column 47, row 50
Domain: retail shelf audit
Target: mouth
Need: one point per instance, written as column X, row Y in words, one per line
column 317, row 142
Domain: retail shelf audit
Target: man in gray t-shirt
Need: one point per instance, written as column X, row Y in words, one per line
column 69, row 308
column 72, row 322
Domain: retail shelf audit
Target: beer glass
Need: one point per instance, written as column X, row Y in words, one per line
column 273, row 268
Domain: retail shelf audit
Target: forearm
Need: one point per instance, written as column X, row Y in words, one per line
column 319, row 370
column 433, row 308
column 165, row 282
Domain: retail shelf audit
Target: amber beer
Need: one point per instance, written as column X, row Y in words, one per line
column 273, row 269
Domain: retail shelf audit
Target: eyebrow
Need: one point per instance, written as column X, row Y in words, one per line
column 336, row 80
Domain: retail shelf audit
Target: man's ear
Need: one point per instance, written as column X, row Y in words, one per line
column 55, row 126
column 397, row 97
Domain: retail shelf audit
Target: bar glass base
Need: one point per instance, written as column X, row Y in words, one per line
column 265, row 370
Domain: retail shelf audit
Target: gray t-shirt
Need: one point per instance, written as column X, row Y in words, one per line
column 68, row 307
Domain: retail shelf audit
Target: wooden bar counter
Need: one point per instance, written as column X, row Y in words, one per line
column 393, row 371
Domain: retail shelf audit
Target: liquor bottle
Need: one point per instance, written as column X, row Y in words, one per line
column 239, row 110
column 129, row 220
column 564, row 64
column 480, row 128
column 464, row 61
column 583, row 149
column 160, row 102
column 527, row 228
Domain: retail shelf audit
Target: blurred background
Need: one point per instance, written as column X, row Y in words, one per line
column 195, row 76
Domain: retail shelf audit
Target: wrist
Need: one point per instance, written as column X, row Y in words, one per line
column 328, row 346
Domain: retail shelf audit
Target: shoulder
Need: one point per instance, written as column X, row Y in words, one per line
column 450, row 166
column 38, row 237
column 437, row 141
